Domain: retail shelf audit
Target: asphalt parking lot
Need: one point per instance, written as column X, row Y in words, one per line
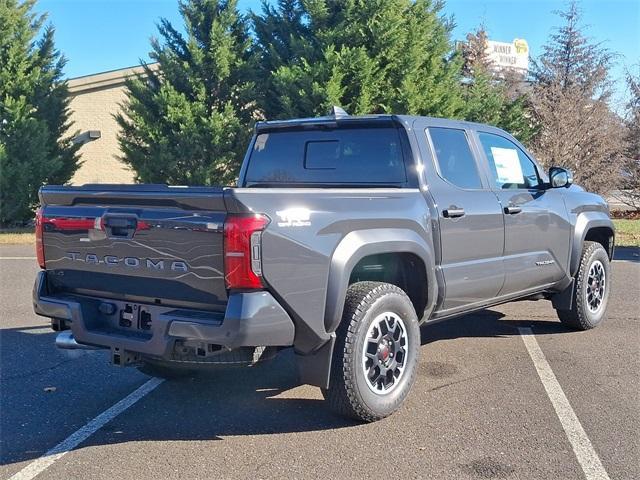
column 478, row 409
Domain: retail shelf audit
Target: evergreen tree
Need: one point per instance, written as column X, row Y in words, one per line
column 283, row 37
column 493, row 96
column 517, row 119
column 188, row 122
column 368, row 56
column 570, row 99
column 34, row 116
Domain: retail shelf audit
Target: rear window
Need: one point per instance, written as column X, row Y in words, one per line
column 455, row 160
column 328, row 156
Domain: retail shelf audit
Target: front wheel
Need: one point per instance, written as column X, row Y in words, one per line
column 376, row 353
column 591, row 289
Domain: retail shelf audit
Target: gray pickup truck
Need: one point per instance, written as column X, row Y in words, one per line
column 343, row 236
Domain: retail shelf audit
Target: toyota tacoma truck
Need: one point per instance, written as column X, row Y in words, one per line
column 344, row 235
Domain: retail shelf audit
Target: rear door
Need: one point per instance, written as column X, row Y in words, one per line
column 537, row 231
column 469, row 215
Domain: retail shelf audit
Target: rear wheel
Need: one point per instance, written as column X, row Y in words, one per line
column 376, row 353
column 591, row 289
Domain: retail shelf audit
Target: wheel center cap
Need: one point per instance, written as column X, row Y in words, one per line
column 383, row 354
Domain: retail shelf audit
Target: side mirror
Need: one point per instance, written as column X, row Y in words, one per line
column 560, row 177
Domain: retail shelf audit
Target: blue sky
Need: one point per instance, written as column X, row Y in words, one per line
column 99, row 35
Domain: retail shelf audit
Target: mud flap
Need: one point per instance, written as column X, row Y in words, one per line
column 564, row 299
column 315, row 368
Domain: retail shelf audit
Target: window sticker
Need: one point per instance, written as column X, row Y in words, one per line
column 507, row 165
column 261, row 142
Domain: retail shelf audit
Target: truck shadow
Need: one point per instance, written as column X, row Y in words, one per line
column 211, row 405
column 486, row 323
column 214, row 404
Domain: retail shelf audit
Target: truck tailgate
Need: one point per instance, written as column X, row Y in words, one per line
column 143, row 243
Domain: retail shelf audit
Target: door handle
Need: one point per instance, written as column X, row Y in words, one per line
column 453, row 212
column 512, row 210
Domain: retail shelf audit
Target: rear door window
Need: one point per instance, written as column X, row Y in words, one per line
column 456, row 163
column 371, row 155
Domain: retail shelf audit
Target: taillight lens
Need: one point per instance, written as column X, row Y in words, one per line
column 243, row 251
column 39, row 243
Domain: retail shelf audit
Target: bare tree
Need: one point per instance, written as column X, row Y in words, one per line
column 474, row 52
column 570, row 100
column 631, row 167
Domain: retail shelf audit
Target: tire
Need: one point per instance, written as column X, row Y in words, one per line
column 164, row 370
column 591, row 290
column 354, row 389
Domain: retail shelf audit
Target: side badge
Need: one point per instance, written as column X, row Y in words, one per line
column 294, row 217
column 545, row 262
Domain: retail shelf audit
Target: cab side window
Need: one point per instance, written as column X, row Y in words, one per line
column 511, row 167
column 456, row 163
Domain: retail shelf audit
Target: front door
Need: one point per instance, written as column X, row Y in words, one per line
column 470, row 220
column 537, row 232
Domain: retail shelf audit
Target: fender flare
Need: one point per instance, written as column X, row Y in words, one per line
column 585, row 221
column 361, row 243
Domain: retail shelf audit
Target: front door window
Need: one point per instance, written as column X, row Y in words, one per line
column 511, row 167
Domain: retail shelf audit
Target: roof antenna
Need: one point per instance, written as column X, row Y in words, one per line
column 338, row 112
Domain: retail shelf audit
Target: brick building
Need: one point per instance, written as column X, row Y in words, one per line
column 95, row 99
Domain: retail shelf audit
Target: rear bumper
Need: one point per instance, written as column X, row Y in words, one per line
column 250, row 320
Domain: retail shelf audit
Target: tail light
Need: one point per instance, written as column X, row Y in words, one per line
column 39, row 243
column 243, row 251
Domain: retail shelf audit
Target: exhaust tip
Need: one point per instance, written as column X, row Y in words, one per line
column 65, row 341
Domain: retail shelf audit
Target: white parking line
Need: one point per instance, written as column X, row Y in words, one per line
column 582, row 447
column 17, row 258
column 41, row 464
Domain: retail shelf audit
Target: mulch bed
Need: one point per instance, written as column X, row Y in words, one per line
column 626, row 214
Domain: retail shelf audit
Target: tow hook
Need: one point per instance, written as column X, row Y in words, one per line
column 123, row 358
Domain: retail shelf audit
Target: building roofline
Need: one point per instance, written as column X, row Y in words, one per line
column 109, row 78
